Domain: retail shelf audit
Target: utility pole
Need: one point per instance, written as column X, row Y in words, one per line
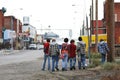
column 96, row 35
column 17, row 35
column 12, row 25
column 110, row 30
column 88, row 38
column 92, row 18
column 91, row 24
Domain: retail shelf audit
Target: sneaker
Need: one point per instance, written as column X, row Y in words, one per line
column 70, row 68
column 73, row 67
column 49, row 69
column 57, row 68
column 53, row 70
column 83, row 67
column 63, row 69
column 79, row 68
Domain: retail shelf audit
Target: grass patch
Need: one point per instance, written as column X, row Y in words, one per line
column 95, row 60
column 111, row 66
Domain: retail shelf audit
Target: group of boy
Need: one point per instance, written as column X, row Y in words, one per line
column 67, row 52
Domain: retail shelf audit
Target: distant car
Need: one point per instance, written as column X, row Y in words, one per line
column 32, row 46
column 40, row 46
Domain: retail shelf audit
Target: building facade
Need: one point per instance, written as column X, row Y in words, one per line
column 116, row 18
column 101, row 27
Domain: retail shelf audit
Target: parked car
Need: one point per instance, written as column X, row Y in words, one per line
column 40, row 46
column 32, row 46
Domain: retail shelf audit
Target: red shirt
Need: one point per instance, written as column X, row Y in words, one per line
column 72, row 50
column 46, row 47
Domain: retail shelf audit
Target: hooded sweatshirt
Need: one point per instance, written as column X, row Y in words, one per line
column 102, row 47
column 81, row 47
column 54, row 49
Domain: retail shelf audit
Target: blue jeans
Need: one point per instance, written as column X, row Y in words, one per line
column 81, row 62
column 72, row 62
column 55, row 60
column 103, row 58
column 44, row 63
column 65, row 61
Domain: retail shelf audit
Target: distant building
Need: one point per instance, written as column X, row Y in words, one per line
column 117, row 20
column 30, row 32
column 101, row 27
column 50, row 35
column 39, row 38
column 26, row 20
column 10, row 22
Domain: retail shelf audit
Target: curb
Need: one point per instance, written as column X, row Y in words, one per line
column 6, row 52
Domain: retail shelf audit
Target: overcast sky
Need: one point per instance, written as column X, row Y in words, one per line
column 59, row 14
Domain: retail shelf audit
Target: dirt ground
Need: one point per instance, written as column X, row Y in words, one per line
column 32, row 71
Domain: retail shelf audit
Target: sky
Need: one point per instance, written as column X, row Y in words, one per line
column 59, row 14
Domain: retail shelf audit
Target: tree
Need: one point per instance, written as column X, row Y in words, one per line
column 3, row 10
column 110, row 29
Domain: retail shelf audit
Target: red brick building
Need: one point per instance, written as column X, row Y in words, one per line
column 117, row 20
column 10, row 22
column 117, row 23
column 101, row 27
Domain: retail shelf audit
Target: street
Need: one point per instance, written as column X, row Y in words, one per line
column 20, row 65
column 21, row 56
column 26, row 65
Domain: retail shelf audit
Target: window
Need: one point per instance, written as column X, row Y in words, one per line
column 115, row 17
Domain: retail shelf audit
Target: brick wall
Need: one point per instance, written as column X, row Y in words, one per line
column 101, row 28
column 117, row 20
column 117, row 11
column 117, row 33
column 8, row 23
column 117, row 23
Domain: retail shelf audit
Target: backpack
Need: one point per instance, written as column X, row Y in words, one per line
column 54, row 49
column 46, row 47
column 102, row 48
column 64, row 48
column 81, row 48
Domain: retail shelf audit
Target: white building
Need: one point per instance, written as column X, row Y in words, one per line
column 28, row 29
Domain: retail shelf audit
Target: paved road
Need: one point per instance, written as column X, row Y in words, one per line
column 20, row 56
column 26, row 65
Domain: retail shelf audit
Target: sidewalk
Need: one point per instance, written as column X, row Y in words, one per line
column 6, row 52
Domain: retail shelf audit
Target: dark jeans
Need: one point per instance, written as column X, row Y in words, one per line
column 55, row 60
column 81, row 62
column 103, row 58
column 44, row 63
column 72, row 62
